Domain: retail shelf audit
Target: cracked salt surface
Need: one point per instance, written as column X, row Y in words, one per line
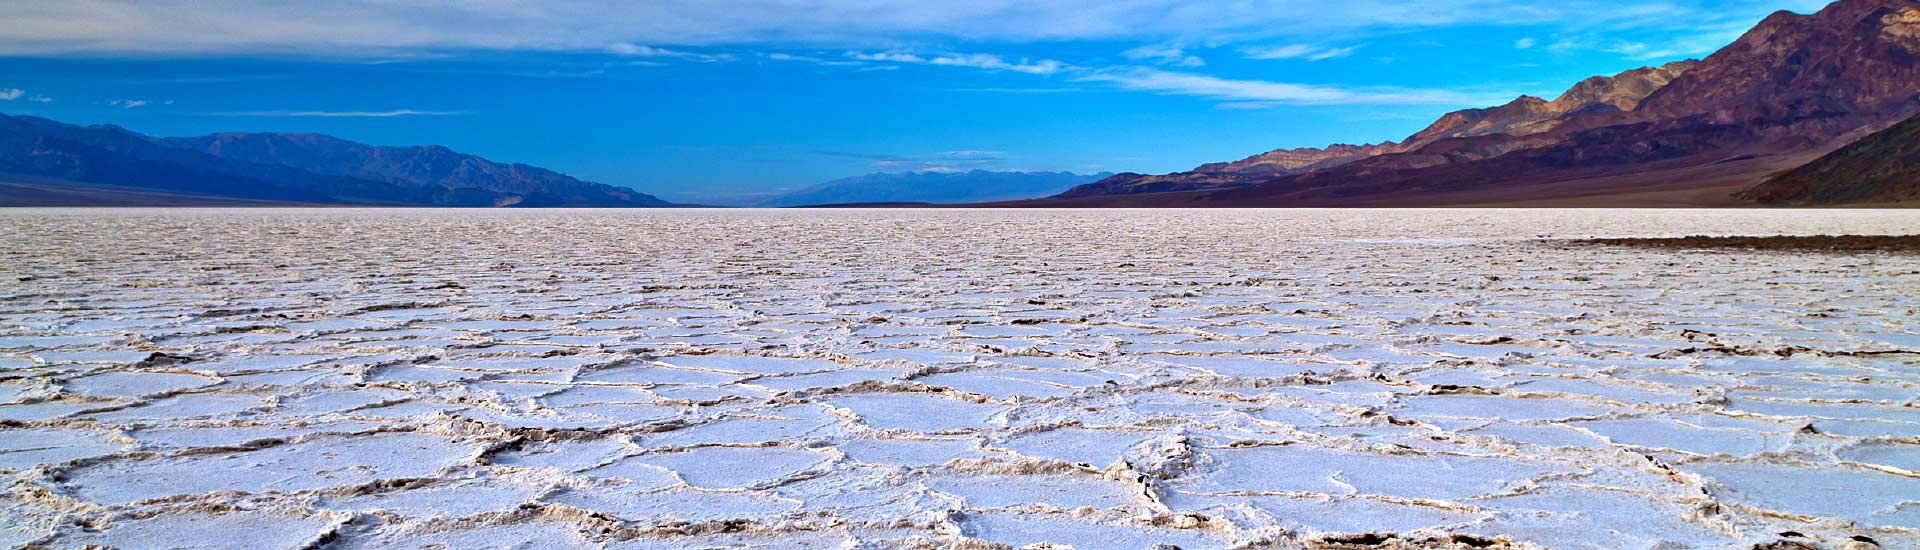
column 346, row 379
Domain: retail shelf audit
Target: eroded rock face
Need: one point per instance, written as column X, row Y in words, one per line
column 1903, row 26
column 950, row 379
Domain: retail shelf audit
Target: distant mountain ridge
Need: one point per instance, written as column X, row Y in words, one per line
column 1790, row 89
column 83, row 164
column 430, row 165
column 934, row 188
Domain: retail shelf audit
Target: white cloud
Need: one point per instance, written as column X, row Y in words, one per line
column 10, row 94
column 636, row 50
column 1298, row 51
column 128, row 103
column 387, row 27
column 986, row 61
column 1525, row 43
column 1698, row 40
column 972, row 60
column 1164, row 55
column 1019, row 90
column 887, row 56
column 1628, row 48
column 1245, row 94
column 812, row 59
column 339, row 114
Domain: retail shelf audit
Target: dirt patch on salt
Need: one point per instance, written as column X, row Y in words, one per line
column 1813, row 243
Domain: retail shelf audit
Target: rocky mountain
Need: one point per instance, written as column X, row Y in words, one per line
column 48, row 162
column 429, row 166
column 1279, row 162
column 1530, row 115
column 1789, row 90
column 1525, row 115
column 935, row 187
column 1884, row 167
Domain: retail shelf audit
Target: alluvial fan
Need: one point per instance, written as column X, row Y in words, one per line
column 977, row 379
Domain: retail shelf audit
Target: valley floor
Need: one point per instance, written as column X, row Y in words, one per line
column 1100, row 379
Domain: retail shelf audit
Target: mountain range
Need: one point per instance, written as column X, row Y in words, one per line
column 929, row 187
column 43, row 162
column 1704, row 132
column 1800, row 110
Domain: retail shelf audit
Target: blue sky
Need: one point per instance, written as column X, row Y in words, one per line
column 693, row 99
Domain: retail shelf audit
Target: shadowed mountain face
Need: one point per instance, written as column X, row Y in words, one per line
column 1795, row 86
column 935, row 187
column 429, row 166
column 1884, row 167
column 53, row 163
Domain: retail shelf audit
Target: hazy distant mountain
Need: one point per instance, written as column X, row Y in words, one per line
column 935, row 187
column 1791, row 89
column 48, row 162
column 430, row 165
column 1884, row 167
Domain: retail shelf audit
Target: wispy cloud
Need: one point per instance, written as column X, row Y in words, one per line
column 128, row 103
column 389, row 28
column 1018, row 90
column 339, row 114
column 1695, row 39
column 1164, row 55
column 1298, row 51
column 1526, row 43
column 973, row 60
column 1246, row 94
column 1703, row 41
column 636, row 50
column 777, row 56
column 14, row 94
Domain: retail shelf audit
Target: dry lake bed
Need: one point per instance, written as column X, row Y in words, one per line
column 346, row 379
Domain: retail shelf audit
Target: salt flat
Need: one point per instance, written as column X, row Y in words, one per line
column 928, row 379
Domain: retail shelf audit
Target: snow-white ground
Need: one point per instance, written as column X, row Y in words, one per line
column 346, row 379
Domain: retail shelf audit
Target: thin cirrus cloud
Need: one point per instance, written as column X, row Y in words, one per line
column 338, row 114
column 386, row 27
column 636, row 50
column 1238, row 94
column 1246, row 94
column 779, row 56
column 971, row 60
column 1164, row 55
column 1298, row 51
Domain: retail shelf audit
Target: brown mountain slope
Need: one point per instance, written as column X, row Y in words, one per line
column 1531, row 115
column 1790, row 89
column 1884, row 167
column 1525, row 115
column 1261, row 167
